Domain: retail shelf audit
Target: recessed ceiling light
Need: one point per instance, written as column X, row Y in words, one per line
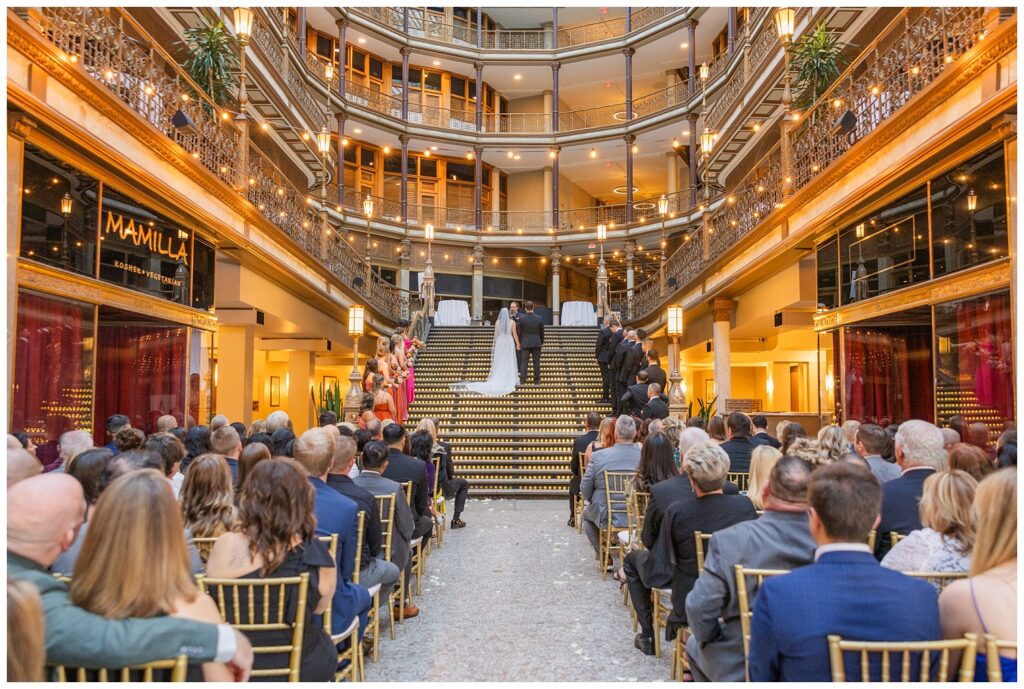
column 516, row 157
column 517, row 77
column 433, row 148
column 357, row 130
column 684, row 45
column 437, row 63
column 361, row 40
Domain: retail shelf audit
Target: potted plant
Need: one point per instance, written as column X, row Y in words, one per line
column 330, row 399
column 212, row 59
column 706, row 410
column 818, row 59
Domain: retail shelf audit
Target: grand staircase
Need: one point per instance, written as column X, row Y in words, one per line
column 518, row 445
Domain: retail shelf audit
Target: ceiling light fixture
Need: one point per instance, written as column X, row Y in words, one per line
column 357, row 130
column 593, row 153
column 517, row 77
column 360, row 40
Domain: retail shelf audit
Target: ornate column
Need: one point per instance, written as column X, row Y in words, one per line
column 300, row 15
column 479, row 32
column 404, row 256
column 478, row 187
column 556, row 275
column 602, row 291
column 722, row 316
column 477, row 305
column 692, row 144
column 479, row 66
column 671, row 173
column 629, row 139
column 339, row 174
column 628, row 52
column 557, row 150
column 405, row 51
column 404, row 189
column 732, row 30
column 554, row 28
column 630, row 275
column 342, row 25
column 691, row 60
column 555, row 66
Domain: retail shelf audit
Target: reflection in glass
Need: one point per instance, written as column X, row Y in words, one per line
column 201, row 379
column 204, row 265
column 828, row 272
column 828, row 375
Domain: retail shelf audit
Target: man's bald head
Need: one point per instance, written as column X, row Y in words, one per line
column 344, row 455
column 21, row 465
column 43, row 516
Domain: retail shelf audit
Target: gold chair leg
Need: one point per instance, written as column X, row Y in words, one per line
column 391, row 615
column 401, row 597
column 656, row 613
column 376, row 627
column 420, row 566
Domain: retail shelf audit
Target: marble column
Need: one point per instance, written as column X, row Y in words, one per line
column 692, row 162
column 478, row 186
column 555, row 66
column 301, row 374
column 477, row 305
column 556, row 277
column 671, row 173
column 234, row 372
column 630, row 140
column 404, row 258
column 691, row 58
column 554, row 186
column 339, row 173
column 404, row 189
column 300, row 16
column 732, row 30
column 722, row 310
column 630, row 275
column 479, row 67
column 342, row 25
column 405, row 51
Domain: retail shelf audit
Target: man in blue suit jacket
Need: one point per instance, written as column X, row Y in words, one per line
column 335, row 513
column 919, row 451
column 845, row 591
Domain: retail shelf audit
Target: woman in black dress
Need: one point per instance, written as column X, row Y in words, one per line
column 275, row 538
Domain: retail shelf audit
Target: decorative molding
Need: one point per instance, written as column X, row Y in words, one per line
column 1006, row 127
column 20, row 126
column 721, row 309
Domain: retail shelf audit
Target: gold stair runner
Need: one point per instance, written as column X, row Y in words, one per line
column 518, row 445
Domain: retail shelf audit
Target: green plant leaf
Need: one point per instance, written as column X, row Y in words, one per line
column 817, row 58
column 212, row 57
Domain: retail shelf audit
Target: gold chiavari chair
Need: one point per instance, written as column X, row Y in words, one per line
column 640, row 500
column 740, row 478
column 744, row 596
column 418, row 557
column 616, row 484
column 968, row 645
column 701, row 541
column 373, row 617
column 872, row 535
column 204, row 544
column 138, row 673
column 578, row 499
column 679, row 662
column 386, row 505
column 661, row 606
column 895, row 537
column 940, row 580
column 235, row 599
column 331, row 542
column 440, row 504
column 992, row 648
column 352, row 671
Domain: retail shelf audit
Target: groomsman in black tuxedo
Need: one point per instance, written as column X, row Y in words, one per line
column 602, row 354
column 630, row 366
column 655, row 373
column 615, row 365
column 531, row 339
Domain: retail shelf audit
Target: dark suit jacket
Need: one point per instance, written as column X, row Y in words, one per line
column 900, row 503
column 630, row 364
column 739, row 451
column 619, row 354
column 656, row 374
column 614, row 340
column 580, row 445
column 767, row 439
column 665, row 493
column 639, row 361
column 794, row 613
column 654, row 409
column 447, row 465
column 531, row 331
column 402, row 468
column 372, row 536
column 600, row 348
column 636, row 397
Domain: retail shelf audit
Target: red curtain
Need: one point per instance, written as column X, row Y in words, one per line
column 888, row 374
column 984, row 345
column 141, row 374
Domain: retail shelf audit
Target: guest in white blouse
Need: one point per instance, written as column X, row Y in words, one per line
column 945, row 542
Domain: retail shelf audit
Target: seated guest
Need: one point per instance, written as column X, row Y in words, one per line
column 949, row 438
column 402, row 468
column 871, row 442
column 43, row 514
column 135, row 563
column 88, row 470
column 218, row 421
column 591, row 422
column 421, row 447
column 762, row 460
column 165, row 423
column 845, row 592
column 919, row 453
column 807, row 449
column 969, row 458
column 327, row 418
column 657, row 463
column 376, row 428
column 371, row 479
column 789, row 434
column 258, row 427
column 240, row 429
column 831, row 444
column 655, row 373
column 655, row 407
column 696, row 422
column 740, row 445
column 226, row 443
column 452, row 486
column 71, row 444
column 986, row 603
column 278, row 420
column 945, row 542
column 114, row 424
column 252, row 453
column 672, row 556
column 1006, row 454
column 282, row 442
column 335, row 514
column 635, row 397
column 171, row 453
column 22, row 465
column 373, row 568
column 605, row 438
column 197, row 443
column 716, row 429
column 760, row 425
column 276, row 538
column 26, row 642
column 624, row 455
column 849, row 427
column 207, row 499
column 779, row 539
column 672, row 428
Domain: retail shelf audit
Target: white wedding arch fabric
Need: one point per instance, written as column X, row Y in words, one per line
column 504, row 375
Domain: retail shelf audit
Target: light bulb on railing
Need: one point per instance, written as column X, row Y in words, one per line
column 663, row 205
column 368, row 206
column 244, row 18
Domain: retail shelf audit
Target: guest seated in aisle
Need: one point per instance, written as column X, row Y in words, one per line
column 655, row 407
column 780, row 539
column 335, row 514
column 114, row 424
column 789, row 434
column 421, row 445
column 591, row 422
column 401, row 468
column 919, row 453
column 762, row 460
column 635, row 397
column 1006, row 449
column 371, row 479
column 276, row 538
column 217, row 422
column 129, row 439
column 327, row 418
column 831, row 444
column 43, row 514
column 165, row 423
column 949, row 438
column 88, row 470
column 240, row 429
column 197, row 443
column 695, row 422
column 252, row 453
column 373, row 568
column 716, row 429
column 452, row 486
column 278, row 420
column 624, row 455
column 971, row 459
column 657, row 463
column 171, row 453
column 740, row 444
column 808, row 450
column 226, row 443
column 655, row 373
column 850, row 427
column 760, row 425
column 376, row 428
column 22, row 465
column 605, row 438
column 871, row 442
column 207, row 499
column 282, row 442
column 845, row 592
column 135, row 563
column 71, row 444
column 258, row 427
column 945, row 542
column 986, row 603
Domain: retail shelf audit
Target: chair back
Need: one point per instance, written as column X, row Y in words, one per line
column 639, row 499
column 407, row 487
column 332, row 545
column 204, row 544
column 700, row 543
column 583, row 462
column 744, row 596
column 386, row 505
column 939, row 580
column 992, row 648
column 895, row 537
column 360, row 527
column 616, row 499
column 740, row 478
column 137, row 673
column 906, row 651
column 436, row 461
column 236, row 600
column 872, row 536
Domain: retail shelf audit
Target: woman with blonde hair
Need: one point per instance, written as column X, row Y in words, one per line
column 135, row 561
column 762, row 459
column 986, row 603
column 384, row 407
column 207, row 500
column 832, row 444
column 400, row 367
column 945, row 541
column 605, row 438
column 26, row 647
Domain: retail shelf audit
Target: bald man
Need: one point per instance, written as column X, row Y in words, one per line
column 21, row 465
column 43, row 515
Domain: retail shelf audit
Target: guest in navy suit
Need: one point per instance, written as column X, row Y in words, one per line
column 845, row 591
column 920, row 452
column 335, row 514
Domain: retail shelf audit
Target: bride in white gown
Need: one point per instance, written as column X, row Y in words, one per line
column 504, row 375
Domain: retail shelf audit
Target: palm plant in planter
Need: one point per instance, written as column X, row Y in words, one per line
column 817, row 58
column 212, row 59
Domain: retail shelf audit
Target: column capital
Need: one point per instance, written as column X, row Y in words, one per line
column 403, row 139
column 630, row 249
column 478, row 66
column 1006, row 127
column 478, row 151
column 690, row 23
column 629, row 139
column 721, row 309
column 405, row 51
column 556, row 65
column 556, row 257
column 341, row 23
column 405, row 252
column 629, row 52
column 478, row 256
column 340, row 117
column 20, row 125
column 692, row 117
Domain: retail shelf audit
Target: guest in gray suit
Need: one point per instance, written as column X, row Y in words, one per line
column 780, row 539
column 872, row 441
column 624, row 455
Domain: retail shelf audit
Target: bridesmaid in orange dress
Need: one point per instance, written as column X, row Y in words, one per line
column 369, row 371
column 383, row 357
column 383, row 405
column 400, row 372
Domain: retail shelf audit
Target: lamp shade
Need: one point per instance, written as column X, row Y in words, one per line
column 663, row 205
column 705, row 71
column 329, row 71
column 675, row 320
column 428, row 232
column 323, row 141
column 785, row 20
column 602, row 232
column 65, row 205
column 355, row 321
column 368, row 206
column 707, row 141
column 860, row 230
column 972, row 201
column 244, row 18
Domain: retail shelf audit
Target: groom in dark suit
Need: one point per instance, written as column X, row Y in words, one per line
column 530, row 327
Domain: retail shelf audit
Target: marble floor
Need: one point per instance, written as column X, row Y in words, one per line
column 516, row 596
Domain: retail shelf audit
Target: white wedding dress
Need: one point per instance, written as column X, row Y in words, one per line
column 504, row 375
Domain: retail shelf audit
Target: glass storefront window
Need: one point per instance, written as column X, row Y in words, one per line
column 974, row 341
column 53, row 370
column 204, row 269
column 201, row 377
column 142, row 250
column 828, row 274
column 969, row 213
column 828, row 375
column 885, row 250
column 58, row 213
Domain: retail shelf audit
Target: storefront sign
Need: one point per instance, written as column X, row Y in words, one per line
column 145, row 235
